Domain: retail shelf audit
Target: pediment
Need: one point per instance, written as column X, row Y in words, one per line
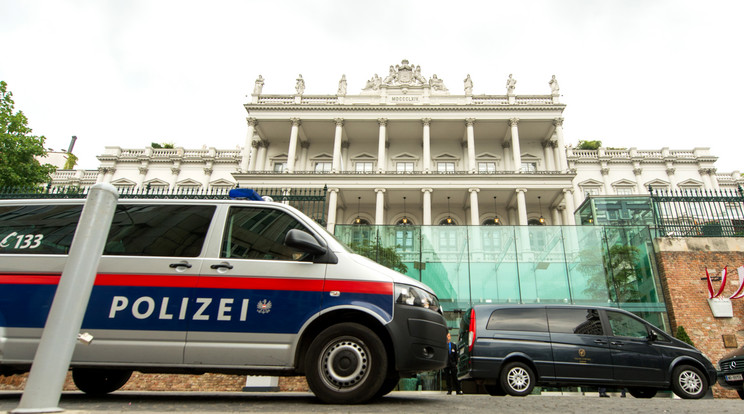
column 624, row 183
column 591, row 183
column 364, row 156
column 156, row 182
column 690, row 183
column 405, row 156
column 123, row 182
column 282, row 156
column 529, row 157
column 487, row 156
column 446, row 156
column 656, row 183
column 221, row 183
column 322, row 156
column 189, row 182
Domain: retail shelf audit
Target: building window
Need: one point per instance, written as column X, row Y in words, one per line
column 363, row 166
column 486, row 167
column 624, row 190
column 590, row 191
column 280, row 166
column 529, row 166
column 446, row 167
column 404, row 167
column 403, row 236
column 322, row 167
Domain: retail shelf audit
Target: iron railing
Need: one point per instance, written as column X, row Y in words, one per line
column 698, row 213
column 311, row 201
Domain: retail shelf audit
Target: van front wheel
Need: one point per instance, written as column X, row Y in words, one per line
column 346, row 364
column 517, row 379
column 689, row 383
column 99, row 381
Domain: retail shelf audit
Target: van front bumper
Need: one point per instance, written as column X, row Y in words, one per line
column 420, row 339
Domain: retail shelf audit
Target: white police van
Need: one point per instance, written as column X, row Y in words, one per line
column 226, row 286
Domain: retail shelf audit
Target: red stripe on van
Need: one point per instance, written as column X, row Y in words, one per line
column 349, row 286
column 146, row 280
column 10, row 279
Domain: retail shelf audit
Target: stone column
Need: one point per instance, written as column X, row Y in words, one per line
column 261, row 157
column 516, row 151
column 335, row 166
column 381, row 153
column 638, row 171
column 511, row 216
column 471, row 144
column 427, row 206
column 427, row 145
column 522, row 206
column 304, row 145
column 562, row 163
column 142, row 174
column 556, row 216
column 557, row 155
column 507, row 159
column 207, row 175
column 292, row 151
column 380, row 206
column 332, row 207
column 474, row 211
column 247, row 156
column 175, row 170
column 548, row 154
column 344, row 156
column 672, row 179
column 704, row 174
column 568, row 197
column 254, row 154
column 606, row 179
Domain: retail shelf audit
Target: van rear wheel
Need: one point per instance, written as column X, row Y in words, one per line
column 95, row 381
column 642, row 392
column 689, row 383
column 346, row 364
column 517, row 379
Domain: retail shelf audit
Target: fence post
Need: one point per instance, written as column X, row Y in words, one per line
column 46, row 379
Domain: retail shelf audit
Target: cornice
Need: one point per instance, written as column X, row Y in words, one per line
column 403, row 108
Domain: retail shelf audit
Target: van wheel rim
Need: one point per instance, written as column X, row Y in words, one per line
column 345, row 364
column 519, row 379
column 690, row 382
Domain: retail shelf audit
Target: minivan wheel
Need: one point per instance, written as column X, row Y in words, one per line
column 388, row 385
column 688, row 382
column 741, row 394
column 346, row 364
column 643, row 392
column 517, row 379
column 94, row 381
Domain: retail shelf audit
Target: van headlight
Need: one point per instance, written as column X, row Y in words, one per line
column 413, row 296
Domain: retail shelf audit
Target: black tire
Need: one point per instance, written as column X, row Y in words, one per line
column 494, row 390
column 94, row 381
column 517, row 379
column 643, row 392
column 741, row 394
column 346, row 364
column 388, row 385
column 689, row 383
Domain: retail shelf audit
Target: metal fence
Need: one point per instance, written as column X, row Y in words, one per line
column 311, row 201
column 698, row 213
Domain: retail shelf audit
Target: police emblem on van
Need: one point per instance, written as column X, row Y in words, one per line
column 264, row 306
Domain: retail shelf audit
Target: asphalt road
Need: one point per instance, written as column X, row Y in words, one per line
column 397, row 402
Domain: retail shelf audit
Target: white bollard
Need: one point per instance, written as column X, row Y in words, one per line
column 46, row 379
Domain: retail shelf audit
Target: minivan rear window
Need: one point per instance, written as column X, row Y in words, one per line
column 532, row 320
column 136, row 230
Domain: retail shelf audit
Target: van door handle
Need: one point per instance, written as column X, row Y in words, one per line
column 181, row 264
column 617, row 343
column 221, row 266
column 600, row 342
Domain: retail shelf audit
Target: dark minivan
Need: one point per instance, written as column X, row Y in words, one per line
column 512, row 348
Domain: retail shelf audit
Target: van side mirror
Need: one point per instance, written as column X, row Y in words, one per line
column 304, row 242
column 652, row 335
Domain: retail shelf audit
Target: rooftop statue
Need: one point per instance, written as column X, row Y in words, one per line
column 258, row 87
column 300, row 85
column 391, row 77
column 468, row 85
column 554, row 89
column 373, row 83
column 437, row 84
column 511, row 83
column 342, row 86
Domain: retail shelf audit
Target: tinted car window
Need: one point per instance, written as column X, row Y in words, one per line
column 576, row 321
column 258, row 233
column 38, row 229
column 533, row 320
column 623, row 325
column 158, row 230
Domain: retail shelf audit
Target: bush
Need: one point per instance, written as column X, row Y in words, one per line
column 682, row 336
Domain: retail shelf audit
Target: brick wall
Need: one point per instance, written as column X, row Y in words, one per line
column 682, row 264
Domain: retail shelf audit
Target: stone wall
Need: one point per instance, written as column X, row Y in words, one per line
column 682, row 264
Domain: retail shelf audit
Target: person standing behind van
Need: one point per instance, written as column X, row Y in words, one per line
column 450, row 371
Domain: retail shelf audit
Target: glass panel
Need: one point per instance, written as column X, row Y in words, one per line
column 518, row 320
column 578, row 321
column 623, row 325
column 258, row 233
column 38, row 229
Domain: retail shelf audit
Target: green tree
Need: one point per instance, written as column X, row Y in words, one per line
column 681, row 334
column 163, row 145
column 18, row 148
column 386, row 256
column 588, row 145
column 618, row 278
column 72, row 160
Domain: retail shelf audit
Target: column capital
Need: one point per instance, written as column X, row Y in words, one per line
column 255, row 143
column 175, row 170
column 339, row 122
column 520, row 190
column 143, row 170
column 474, row 190
column 208, row 171
column 333, row 190
column 252, row 121
column 344, row 144
column 638, row 171
column 568, row 190
column 304, row 144
column 295, row 121
column 670, row 170
column 605, row 171
column 513, row 122
column 506, row 144
column 380, row 190
column 469, row 121
column 382, row 121
column 560, row 207
column 426, row 121
column 427, row 190
column 558, row 122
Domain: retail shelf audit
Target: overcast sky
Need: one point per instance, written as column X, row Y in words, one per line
column 633, row 73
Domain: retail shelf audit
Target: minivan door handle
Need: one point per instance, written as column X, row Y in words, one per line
column 600, row 342
column 617, row 343
column 224, row 266
column 186, row 265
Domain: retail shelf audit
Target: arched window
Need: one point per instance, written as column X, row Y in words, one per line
column 404, row 235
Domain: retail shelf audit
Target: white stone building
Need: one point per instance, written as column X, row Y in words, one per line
column 408, row 147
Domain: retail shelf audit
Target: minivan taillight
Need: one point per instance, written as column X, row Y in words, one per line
column 471, row 330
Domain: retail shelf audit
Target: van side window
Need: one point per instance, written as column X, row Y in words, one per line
column 258, row 233
column 158, row 230
column 532, row 320
column 576, row 321
column 623, row 325
column 38, row 229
